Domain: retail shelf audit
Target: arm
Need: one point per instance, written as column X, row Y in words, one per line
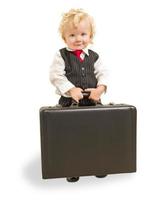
column 102, row 81
column 59, row 80
column 57, row 76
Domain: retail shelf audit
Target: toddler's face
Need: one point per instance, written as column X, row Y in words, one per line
column 78, row 37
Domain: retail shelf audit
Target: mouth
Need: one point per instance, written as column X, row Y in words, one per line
column 78, row 44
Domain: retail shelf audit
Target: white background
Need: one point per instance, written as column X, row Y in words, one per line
column 28, row 41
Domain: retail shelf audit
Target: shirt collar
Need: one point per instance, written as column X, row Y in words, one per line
column 85, row 50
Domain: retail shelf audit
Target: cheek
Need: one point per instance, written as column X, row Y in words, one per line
column 87, row 39
column 70, row 40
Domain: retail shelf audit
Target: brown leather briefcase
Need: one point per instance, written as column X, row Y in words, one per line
column 88, row 140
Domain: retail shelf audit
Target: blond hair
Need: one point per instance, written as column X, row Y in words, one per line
column 74, row 16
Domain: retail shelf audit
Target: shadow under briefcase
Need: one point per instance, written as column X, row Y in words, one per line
column 88, row 140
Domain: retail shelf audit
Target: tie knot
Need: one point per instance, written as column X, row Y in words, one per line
column 78, row 52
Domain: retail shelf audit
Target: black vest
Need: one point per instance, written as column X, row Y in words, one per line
column 81, row 74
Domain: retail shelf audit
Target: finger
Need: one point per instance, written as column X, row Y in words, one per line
column 77, row 100
column 78, row 97
column 81, row 96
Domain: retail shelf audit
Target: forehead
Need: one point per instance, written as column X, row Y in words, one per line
column 83, row 25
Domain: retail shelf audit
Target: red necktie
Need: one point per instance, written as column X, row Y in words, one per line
column 78, row 53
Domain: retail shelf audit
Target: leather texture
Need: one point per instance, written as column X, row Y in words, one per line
column 94, row 140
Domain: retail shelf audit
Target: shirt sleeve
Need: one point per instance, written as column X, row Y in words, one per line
column 101, row 73
column 57, row 76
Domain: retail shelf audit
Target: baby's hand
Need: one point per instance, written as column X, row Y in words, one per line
column 76, row 93
column 96, row 92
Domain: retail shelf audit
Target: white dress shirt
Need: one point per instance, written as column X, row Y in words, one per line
column 60, row 81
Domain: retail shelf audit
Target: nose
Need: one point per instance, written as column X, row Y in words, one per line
column 78, row 38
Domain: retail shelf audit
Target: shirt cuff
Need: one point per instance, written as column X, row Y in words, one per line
column 64, row 88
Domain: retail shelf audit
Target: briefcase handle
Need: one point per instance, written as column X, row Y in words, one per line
column 85, row 101
column 86, row 94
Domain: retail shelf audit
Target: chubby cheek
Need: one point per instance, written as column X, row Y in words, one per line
column 70, row 41
column 88, row 40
